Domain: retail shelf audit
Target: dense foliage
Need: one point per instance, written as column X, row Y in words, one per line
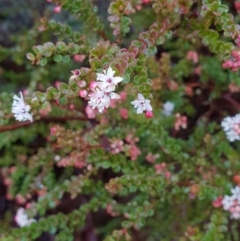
column 71, row 172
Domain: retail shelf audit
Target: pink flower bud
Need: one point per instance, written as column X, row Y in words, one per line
column 158, row 168
column 149, row 114
column 146, row 1
column 138, row 7
column 124, row 113
column 20, row 199
column 91, row 113
column 235, row 54
column 53, row 130
column 237, row 41
column 93, row 85
column 57, row 9
column 79, row 57
column 224, row 65
column 71, row 107
column 28, row 205
column 123, row 95
column 228, row 64
column 235, row 65
column 237, row 5
column 82, row 83
column 83, row 93
column 57, row 83
column 167, row 175
column 192, row 55
column 217, row 202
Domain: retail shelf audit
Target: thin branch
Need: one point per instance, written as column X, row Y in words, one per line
column 232, row 101
column 45, row 119
column 103, row 35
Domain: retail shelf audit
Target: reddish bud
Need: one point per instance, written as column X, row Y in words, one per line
column 93, row 85
column 237, row 5
column 235, row 65
column 79, row 57
column 217, row 202
column 83, row 93
column 236, row 178
column 224, row 65
column 124, row 113
column 149, row 114
column 235, row 54
column 57, row 9
column 71, row 107
column 82, row 83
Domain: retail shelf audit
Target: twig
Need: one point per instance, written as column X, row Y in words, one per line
column 45, row 119
column 102, row 34
column 235, row 103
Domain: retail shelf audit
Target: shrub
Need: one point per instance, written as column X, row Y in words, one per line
column 120, row 120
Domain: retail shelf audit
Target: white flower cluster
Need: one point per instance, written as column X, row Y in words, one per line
column 168, row 108
column 141, row 104
column 232, row 203
column 231, row 126
column 21, row 218
column 101, row 96
column 20, row 109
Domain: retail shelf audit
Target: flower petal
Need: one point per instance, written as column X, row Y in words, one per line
column 110, row 72
column 140, row 97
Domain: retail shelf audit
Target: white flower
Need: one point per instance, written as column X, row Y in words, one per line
column 20, row 110
column 75, row 74
column 108, row 78
column 21, row 218
column 232, row 203
column 231, row 126
column 101, row 96
column 100, row 99
column 235, row 215
column 236, row 191
column 141, row 104
column 168, row 108
column 227, row 202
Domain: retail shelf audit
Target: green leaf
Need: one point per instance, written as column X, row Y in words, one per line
column 142, row 58
column 76, row 36
column 63, row 101
column 61, row 46
column 40, row 96
column 126, row 79
column 126, row 224
column 136, row 43
column 47, row 54
column 51, row 91
column 52, row 23
column 66, row 59
column 168, row 35
column 68, row 30
column 222, row 8
column 160, row 40
column 30, row 56
column 63, row 87
column 125, row 21
column 57, row 58
column 43, row 62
